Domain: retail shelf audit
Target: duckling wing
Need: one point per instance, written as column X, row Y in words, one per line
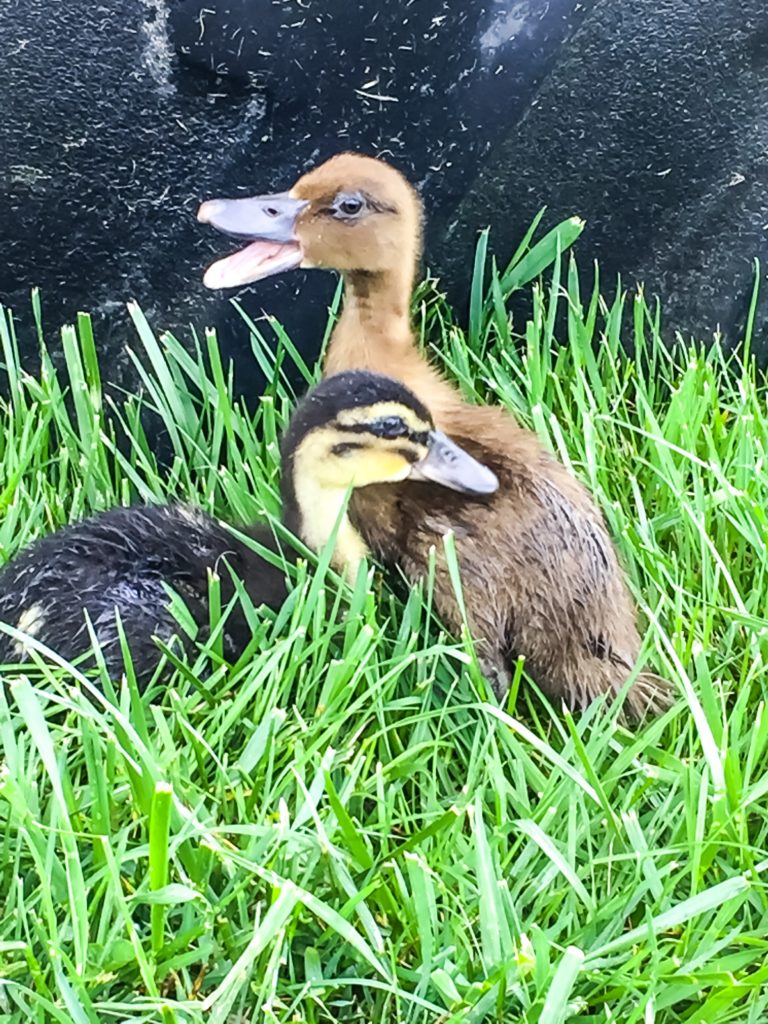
column 540, row 576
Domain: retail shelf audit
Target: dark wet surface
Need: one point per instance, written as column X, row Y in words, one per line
column 119, row 118
column 654, row 127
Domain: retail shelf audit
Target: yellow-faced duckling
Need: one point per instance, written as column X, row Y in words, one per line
column 541, row 576
column 353, row 430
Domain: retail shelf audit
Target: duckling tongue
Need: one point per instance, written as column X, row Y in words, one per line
column 258, row 260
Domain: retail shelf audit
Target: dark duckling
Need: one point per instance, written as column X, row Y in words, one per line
column 353, row 430
column 540, row 573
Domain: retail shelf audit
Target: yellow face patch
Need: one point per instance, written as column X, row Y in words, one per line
column 373, row 465
column 330, row 460
column 371, row 460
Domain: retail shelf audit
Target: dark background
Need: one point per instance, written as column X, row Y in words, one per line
column 648, row 120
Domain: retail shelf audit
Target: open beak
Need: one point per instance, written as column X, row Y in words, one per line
column 448, row 464
column 269, row 222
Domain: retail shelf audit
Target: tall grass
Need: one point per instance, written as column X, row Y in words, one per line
column 344, row 826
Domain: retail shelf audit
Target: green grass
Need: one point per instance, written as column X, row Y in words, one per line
column 344, row 826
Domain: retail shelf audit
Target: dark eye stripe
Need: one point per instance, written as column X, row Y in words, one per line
column 408, row 454
column 344, row 447
column 389, row 426
column 418, row 437
column 352, row 428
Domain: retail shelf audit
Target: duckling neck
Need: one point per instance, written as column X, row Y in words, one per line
column 374, row 333
column 312, row 511
column 375, row 323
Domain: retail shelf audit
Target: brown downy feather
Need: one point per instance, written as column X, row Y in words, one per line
column 540, row 574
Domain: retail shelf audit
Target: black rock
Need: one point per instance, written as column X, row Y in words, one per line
column 653, row 126
column 119, row 118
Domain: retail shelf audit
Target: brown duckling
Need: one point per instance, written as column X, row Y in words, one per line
column 353, row 430
column 540, row 573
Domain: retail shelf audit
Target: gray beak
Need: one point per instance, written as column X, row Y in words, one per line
column 451, row 466
column 266, row 218
column 270, row 222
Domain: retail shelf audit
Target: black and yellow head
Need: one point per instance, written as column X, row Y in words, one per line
column 359, row 428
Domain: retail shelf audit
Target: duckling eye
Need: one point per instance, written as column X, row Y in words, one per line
column 348, row 206
column 390, row 426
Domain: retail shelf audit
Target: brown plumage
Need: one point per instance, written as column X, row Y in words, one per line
column 540, row 574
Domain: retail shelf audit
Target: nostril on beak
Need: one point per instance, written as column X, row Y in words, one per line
column 271, row 211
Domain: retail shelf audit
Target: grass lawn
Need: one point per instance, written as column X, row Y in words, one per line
column 344, row 826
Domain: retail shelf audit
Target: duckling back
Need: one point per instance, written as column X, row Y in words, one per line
column 540, row 575
column 121, row 562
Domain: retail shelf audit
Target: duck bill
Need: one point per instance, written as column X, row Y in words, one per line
column 269, row 222
column 449, row 465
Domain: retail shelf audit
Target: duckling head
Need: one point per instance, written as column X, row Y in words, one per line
column 353, row 430
column 353, row 213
